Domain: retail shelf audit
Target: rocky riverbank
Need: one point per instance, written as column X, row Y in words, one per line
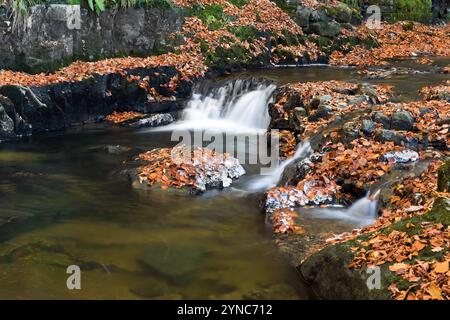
column 361, row 142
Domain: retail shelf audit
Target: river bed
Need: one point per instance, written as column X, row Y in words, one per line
column 64, row 201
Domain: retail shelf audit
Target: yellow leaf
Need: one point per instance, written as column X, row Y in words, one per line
column 435, row 292
column 441, row 267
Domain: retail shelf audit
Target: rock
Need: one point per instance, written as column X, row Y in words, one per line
column 329, row 277
column 302, row 16
column 326, row 29
column 355, row 100
column 349, row 132
column 175, row 262
column 390, row 135
column 319, row 16
column 6, row 124
column 343, row 13
column 402, row 120
column 300, row 113
column 116, row 149
column 155, row 120
column 444, row 177
column 322, row 112
column 57, row 32
column 404, row 156
column 367, row 127
column 380, row 117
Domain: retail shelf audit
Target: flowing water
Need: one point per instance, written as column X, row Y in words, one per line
column 64, row 201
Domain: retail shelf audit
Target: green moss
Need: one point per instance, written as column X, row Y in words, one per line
column 444, row 177
column 235, row 55
column 212, row 15
column 244, row 32
column 239, row 3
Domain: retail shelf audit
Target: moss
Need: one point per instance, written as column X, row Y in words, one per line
column 244, row 32
column 212, row 15
column 444, row 177
column 235, row 55
column 239, row 3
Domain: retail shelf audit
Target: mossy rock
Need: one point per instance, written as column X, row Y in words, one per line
column 330, row 278
column 444, row 177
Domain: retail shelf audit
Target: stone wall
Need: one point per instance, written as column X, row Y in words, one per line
column 53, row 34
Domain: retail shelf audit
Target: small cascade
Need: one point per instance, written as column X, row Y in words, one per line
column 238, row 103
column 269, row 181
column 364, row 211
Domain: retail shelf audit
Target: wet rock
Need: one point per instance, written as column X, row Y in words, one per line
column 349, row 132
column 6, row 124
column 153, row 121
column 355, row 100
column 327, row 29
column 380, row 117
column 402, row 120
column 273, row 292
column 150, row 288
column 404, row 156
column 367, row 126
column 300, row 113
column 323, row 112
column 175, row 262
column 302, row 16
column 390, row 135
column 116, row 149
column 327, row 273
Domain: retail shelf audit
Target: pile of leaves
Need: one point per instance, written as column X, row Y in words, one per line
column 241, row 34
column 188, row 66
column 402, row 39
column 360, row 165
column 283, row 222
column 440, row 92
column 188, row 167
column 120, row 117
column 307, row 95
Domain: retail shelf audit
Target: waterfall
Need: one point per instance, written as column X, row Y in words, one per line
column 364, row 211
column 269, row 181
column 237, row 104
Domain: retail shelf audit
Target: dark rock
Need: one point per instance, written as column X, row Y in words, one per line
column 349, row 132
column 328, row 275
column 56, row 33
column 402, row 120
column 390, row 135
column 326, row 29
column 444, row 177
column 380, row 117
column 176, row 262
column 6, row 124
column 302, row 16
column 355, row 100
column 322, row 112
column 367, row 126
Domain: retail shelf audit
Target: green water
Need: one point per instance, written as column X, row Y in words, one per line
column 64, row 202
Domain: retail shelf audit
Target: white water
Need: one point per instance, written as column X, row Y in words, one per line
column 362, row 212
column 271, row 180
column 233, row 107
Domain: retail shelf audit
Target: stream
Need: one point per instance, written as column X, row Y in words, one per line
column 64, row 201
